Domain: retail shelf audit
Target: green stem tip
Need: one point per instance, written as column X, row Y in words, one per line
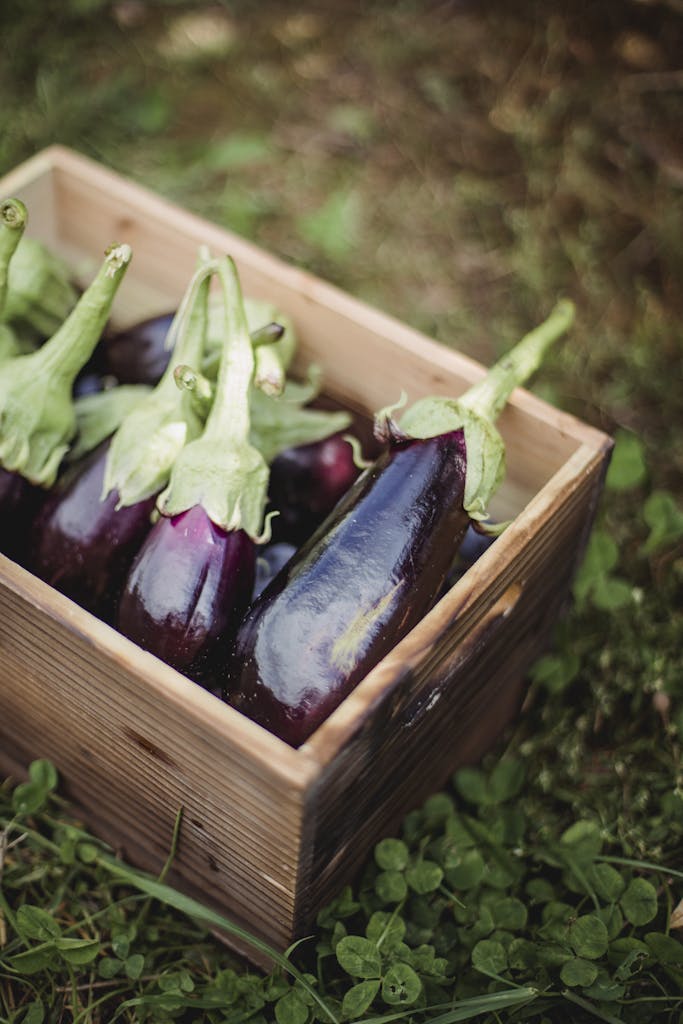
column 13, row 219
column 476, row 411
column 488, row 396
column 14, row 214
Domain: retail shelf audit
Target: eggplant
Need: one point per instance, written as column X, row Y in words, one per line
column 473, row 546
column 83, row 544
column 306, row 482
column 378, row 563
column 90, row 382
column 271, row 558
column 18, row 502
column 193, row 578
column 138, row 355
column 188, row 586
column 341, row 602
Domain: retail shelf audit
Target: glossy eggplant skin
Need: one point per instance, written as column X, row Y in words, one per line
column 83, row 546
column 189, row 586
column 270, row 560
column 138, row 355
column 306, row 482
column 365, row 578
column 18, row 502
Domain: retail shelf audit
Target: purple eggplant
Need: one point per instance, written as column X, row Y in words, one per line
column 271, row 558
column 193, row 578
column 189, row 585
column 90, row 382
column 91, row 527
column 13, row 490
column 377, row 564
column 338, row 605
column 139, row 354
column 306, row 482
column 83, row 545
column 18, row 503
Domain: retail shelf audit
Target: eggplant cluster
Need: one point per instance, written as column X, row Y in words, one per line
column 176, row 482
column 124, row 522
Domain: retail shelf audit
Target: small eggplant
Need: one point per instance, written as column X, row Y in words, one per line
column 193, row 577
column 378, row 563
column 306, row 482
column 139, row 354
column 83, row 545
column 90, row 382
column 473, row 546
column 18, row 502
column 189, row 585
column 271, row 558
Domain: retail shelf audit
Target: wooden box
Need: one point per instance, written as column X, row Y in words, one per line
column 269, row 834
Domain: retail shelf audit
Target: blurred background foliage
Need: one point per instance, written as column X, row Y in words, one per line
column 457, row 163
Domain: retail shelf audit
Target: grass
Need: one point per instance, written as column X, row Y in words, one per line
column 459, row 165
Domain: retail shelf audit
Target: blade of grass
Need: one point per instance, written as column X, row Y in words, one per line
column 642, row 865
column 464, row 1009
column 192, row 908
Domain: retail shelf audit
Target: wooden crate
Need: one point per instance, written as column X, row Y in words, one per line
column 269, row 833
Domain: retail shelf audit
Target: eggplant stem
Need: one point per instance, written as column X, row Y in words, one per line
column 488, row 397
column 13, row 218
column 267, row 335
column 228, row 420
column 13, row 213
column 70, row 347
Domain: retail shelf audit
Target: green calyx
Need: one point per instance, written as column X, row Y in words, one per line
column 99, row 415
column 484, row 446
column 151, row 436
column 37, row 415
column 475, row 412
column 222, row 471
column 283, row 422
column 276, row 422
